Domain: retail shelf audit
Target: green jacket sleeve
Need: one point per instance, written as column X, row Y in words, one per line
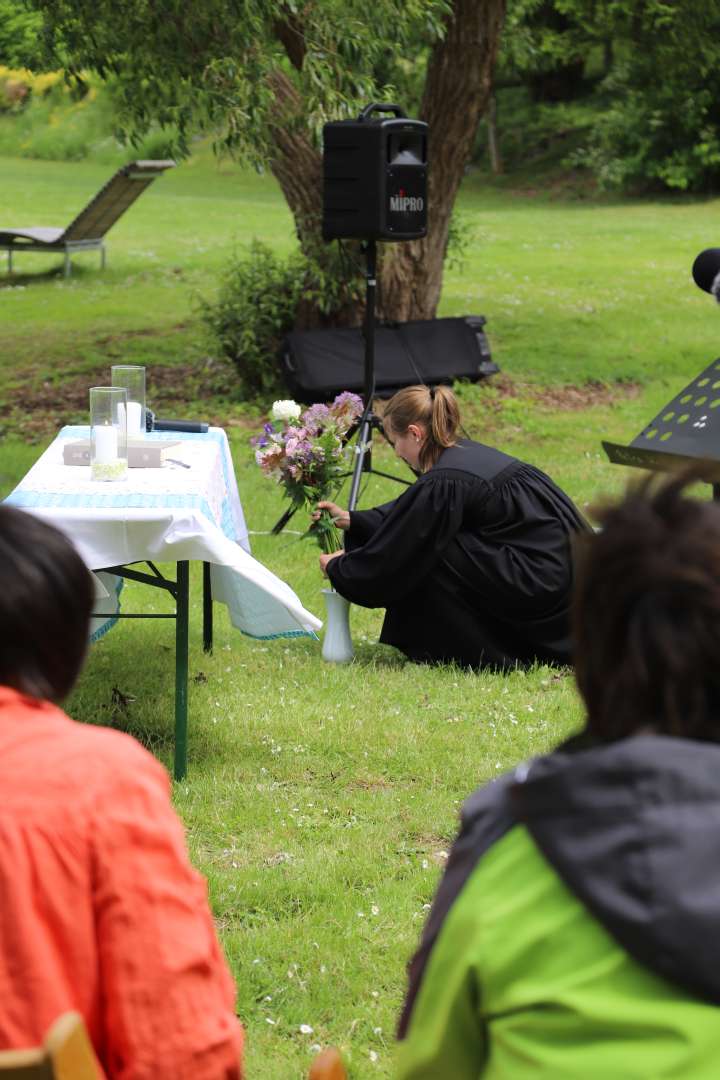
column 446, row 1038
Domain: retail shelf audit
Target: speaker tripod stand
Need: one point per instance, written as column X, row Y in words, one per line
column 368, row 422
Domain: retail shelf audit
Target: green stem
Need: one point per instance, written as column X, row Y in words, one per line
column 330, row 538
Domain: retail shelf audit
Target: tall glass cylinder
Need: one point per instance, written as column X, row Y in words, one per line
column 132, row 377
column 108, row 433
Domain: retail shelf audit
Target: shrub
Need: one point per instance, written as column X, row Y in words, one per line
column 15, row 87
column 650, row 139
column 55, row 120
column 255, row 308
column 262, row 298
column 18, row 87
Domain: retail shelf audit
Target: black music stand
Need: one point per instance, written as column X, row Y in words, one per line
column 686, row 430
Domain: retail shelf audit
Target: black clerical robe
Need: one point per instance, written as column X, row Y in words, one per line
column 472, row 563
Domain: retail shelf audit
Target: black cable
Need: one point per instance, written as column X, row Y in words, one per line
column 418, row 374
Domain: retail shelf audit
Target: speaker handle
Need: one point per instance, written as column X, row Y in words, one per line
column 376, row 106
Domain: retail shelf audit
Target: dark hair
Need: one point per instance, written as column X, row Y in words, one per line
column 646, row 613
column 46, row 596
column 435, row 408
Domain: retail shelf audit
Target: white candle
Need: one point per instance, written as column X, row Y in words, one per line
column 106, row 443
column 134, row 412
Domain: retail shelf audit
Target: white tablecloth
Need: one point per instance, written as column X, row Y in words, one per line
column 167, row 514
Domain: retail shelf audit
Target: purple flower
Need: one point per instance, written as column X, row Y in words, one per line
column 347, row 402
column 262, row 439
column 316, row 418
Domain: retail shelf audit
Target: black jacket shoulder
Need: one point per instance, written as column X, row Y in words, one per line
column 475, row 459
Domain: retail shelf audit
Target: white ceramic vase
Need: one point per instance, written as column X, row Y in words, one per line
column 337, row 644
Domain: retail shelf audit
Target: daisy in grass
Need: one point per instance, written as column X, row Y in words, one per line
column 305, row 452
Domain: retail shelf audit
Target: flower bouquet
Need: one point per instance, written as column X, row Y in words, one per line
column 305, row 452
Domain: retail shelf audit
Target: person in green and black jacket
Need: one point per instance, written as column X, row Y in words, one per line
column 576, row 931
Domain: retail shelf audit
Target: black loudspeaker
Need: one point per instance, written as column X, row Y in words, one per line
column 321, row 363
column 375, row 177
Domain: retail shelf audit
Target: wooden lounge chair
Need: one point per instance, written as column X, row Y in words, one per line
column 87, row 231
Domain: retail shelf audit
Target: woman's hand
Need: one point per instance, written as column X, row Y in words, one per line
column 325, row 559
column 340, row 517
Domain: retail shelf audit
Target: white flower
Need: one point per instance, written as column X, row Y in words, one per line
column 285, row 410
column 305, row 1029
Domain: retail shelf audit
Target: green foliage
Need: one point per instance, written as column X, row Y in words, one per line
column 254, row 310
column 48, row 117
column 545, row 46
column 653, row 66
column 191, row 67
column 656, row 132
column 537, row 136
column 57, row 125
column 20, row 45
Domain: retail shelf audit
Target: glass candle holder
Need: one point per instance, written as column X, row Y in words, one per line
column 132, row 377
column 108, row 433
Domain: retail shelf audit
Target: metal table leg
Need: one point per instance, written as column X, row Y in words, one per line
column 181, row 668
column 207, row 609
column 180, row 590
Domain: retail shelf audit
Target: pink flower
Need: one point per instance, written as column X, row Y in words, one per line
column 345, row 410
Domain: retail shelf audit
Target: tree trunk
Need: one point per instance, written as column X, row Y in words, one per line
column 457, row 87
column 493, row 142
column 295, row 163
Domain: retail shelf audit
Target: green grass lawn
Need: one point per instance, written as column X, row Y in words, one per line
column 321, row 800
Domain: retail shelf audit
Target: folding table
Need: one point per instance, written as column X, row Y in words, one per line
column 188, row 509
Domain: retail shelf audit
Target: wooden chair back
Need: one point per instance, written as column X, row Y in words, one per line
column 328, row 1065
column 66, row 1054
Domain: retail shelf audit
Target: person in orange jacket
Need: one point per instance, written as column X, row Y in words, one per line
column 101, row 911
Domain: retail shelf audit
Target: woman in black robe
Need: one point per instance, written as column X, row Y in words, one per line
column 473, row 562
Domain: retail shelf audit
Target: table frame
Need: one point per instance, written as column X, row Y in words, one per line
column 180, row 590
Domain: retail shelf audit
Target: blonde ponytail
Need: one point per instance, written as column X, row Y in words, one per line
column 433, row 407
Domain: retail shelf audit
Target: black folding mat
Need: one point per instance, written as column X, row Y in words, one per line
column 320, row 363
